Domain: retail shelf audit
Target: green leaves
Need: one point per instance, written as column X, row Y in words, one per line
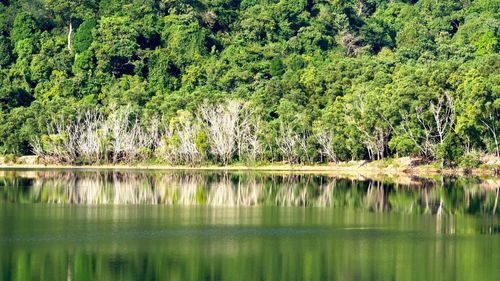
column 5, row 52
column 24, row 27
column 83, row 36
column 115, row 45
column 276, row 67
column 185, row 40
column 363, row 73
column 69, row 10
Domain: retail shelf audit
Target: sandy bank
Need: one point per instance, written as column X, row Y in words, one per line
column 390, row 167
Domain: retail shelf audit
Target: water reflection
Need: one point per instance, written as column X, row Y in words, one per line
column 109, row 225
column 403, row 195
column 141, row 242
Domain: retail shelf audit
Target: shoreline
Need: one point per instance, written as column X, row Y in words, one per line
column 391, row 167
column 326, row 169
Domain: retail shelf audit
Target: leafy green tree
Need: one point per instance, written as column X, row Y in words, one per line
column 83, row 36
column 5, row 52
column 276, row 68
column 24, row 27
column 115, row 45
column 185, row 40
column 361, row 79
column 69, row 11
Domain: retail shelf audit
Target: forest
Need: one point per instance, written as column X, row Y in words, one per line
column 193, row 82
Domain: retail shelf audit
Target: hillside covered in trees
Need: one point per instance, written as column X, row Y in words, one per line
column 215, row 81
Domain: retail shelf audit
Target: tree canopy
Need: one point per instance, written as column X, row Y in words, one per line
column 333, row 79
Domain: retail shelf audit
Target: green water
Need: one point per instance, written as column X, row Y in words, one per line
column 245, row 226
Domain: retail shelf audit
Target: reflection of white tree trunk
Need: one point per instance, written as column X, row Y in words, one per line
column 89, row 192
column 467, row 199
column 248, row 193
column 222, row 194
column 69, row 263
column 285, row 196
column 495, row 206
column 188, row 189
column 72, row 192
column 375, row 197
column 440, row 209
column 325, row 199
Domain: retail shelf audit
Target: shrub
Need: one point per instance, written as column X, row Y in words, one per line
column 10, row 159
column 471, row 160
column 449, row 151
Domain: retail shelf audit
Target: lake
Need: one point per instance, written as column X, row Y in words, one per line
column 212, row 225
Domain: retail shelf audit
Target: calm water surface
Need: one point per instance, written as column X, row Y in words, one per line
column 90, row 225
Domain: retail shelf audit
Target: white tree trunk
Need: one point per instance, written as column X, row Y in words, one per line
column 70, row 33
column 222, row 123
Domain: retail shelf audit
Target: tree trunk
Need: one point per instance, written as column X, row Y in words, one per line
column 70, row 33
column 497, row 149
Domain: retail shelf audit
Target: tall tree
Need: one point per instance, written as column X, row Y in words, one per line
column 69, row 11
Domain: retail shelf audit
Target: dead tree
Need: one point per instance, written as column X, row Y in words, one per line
column 167, row 149
column 118, row 125
column 374, row 134
column 350, row 42
column 248, row 136
column 221, row 123
column 288, row 142
column 325, row 140
column 432, row 125
column 92, row 136
column 490, row 121
column 187, row 148
column 360, row 8
column 443, row 112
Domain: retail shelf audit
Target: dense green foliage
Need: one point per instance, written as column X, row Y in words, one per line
column 373, row 78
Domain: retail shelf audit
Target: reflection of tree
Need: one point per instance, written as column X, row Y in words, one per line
column 376, row 198
column 496, row 201
column 203, row 258
column 447, row 196
column 326, row 193
column 249, row 192
column 287, row 195
column 222, row 193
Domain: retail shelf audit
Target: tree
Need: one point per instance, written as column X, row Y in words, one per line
column 83, row 37
column 288, row 142
column 302, row 81
column 5, row 52
column 24, row 27
column 181, row 143
column 364, row 114
column 69, row 11
column 221, row 123
column 115, row 45
column 326, row 142
column 276, row 67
